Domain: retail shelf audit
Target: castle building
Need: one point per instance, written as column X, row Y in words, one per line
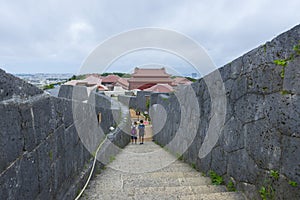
column 146, row 78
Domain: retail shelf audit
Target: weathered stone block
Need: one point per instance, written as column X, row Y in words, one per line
column 264, row 79
column 291, row 82
column 42, row 114
column 232, row 137
column 219, row 161
column 13, row 86
column 250, row 108
column 290, row 163
column 263, row 144
column 78, row 93
column 283, row 113
column 46, row 156
column 9, row 185
column 11, row 138
column 27, row 176
column 27, row 127
column 241, row 167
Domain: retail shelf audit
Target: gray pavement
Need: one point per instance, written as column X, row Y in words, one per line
column 149, row 172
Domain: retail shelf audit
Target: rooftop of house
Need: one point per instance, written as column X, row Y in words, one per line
column 150, row 72
column 181, row 80
column 90, row 81
column 160, row 88
column 110, row 78
column 123, row 81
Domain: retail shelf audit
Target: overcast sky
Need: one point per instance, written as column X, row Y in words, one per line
column 56, row 36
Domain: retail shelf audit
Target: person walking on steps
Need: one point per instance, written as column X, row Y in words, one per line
column 141, row 128
column 133, row 132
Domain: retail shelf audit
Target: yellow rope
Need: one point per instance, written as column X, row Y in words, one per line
column 92, row 170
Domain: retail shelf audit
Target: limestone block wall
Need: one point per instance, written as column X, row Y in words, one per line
column 141, row 99
column 109, row 109
column 10, row 85
column 130, row 101
column 259, row 143
column 154, row 96
column 73, row 92
column 42, row 151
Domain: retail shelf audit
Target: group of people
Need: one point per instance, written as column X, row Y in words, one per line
column 137, row 130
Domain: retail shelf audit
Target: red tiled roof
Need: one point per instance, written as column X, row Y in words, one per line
column 123, row 82
column 160, row 88
column 110, row 79
column 142, row 72
column 93, row 80
column 181, row 80
column 153, row 79
column 146, row 86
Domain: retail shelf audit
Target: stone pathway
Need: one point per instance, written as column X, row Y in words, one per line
column 149, row 172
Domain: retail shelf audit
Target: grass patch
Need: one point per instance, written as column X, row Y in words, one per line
column 274, row 174
column 293, row 183
column 230, row 187
column 285, row 92
column 215, row 178
column 50, row 155
column 281, row 62
column 193, row 165
column 265, row 88
column 179, row 156
column 267, row 192
column 112, row 158
column 296, row 48
column 47, row 87
column 282, row 73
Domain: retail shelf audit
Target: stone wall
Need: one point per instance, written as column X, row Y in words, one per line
column 154, row 96
column 259, row 144
column 43, row 141
column 141, row 100
column 73, row 92
column 11, row 85
column 130, row 101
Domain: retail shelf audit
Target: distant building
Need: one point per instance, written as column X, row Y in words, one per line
column 110, row 81
column 146, row 78
column 91, row 82
column 123, row 82
column 181, row 81
column 161, row 88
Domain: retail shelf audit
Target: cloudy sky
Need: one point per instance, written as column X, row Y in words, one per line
column 56, row 36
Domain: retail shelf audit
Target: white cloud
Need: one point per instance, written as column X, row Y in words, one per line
column 56, row 33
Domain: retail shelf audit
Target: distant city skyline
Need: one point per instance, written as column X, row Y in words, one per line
column 56, row 37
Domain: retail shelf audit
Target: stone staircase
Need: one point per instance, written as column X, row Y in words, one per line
column 149, row 172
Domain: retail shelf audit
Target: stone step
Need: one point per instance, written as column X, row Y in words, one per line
column 159, row 174
column 201, row 189
column 117, row 176
column 215, row 196
column 126, row 183
column 178, row 167
column 165, row 182
column 132, row 166
column 165, row 196
column 187, row 190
